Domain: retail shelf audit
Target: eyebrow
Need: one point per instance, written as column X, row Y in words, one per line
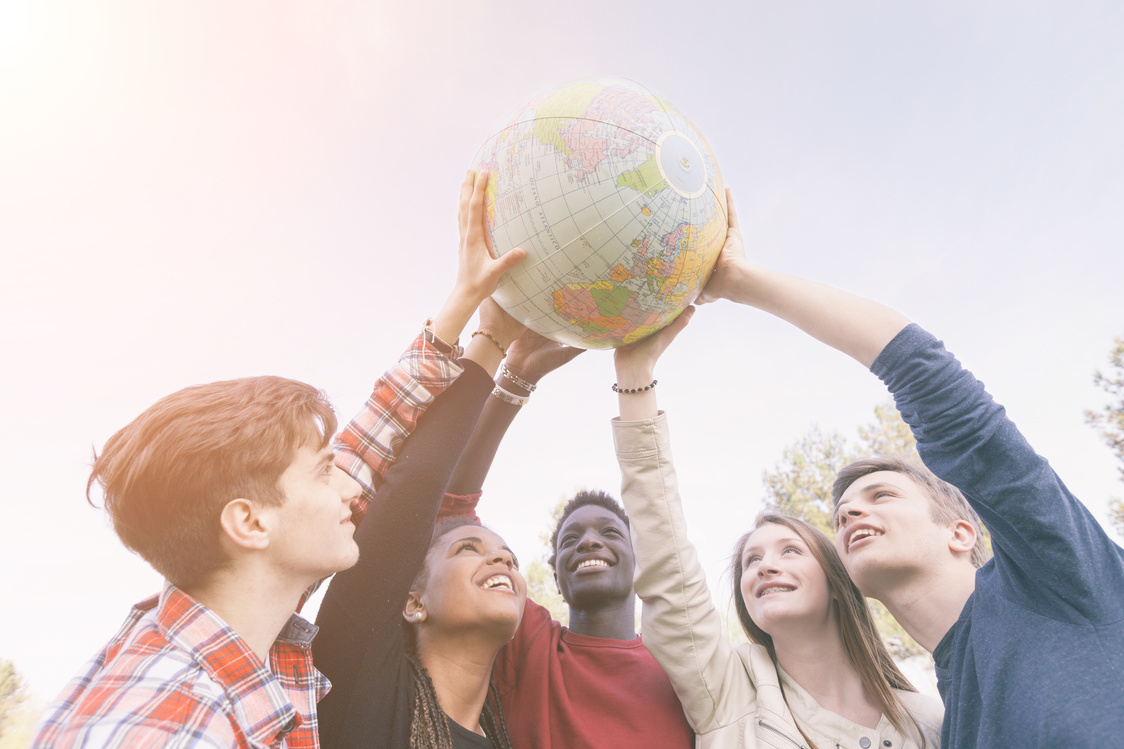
column 781, row 540
column 479, row 540
column 600, row 521
column 866, row 490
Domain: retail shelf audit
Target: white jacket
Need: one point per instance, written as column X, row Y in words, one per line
column 731, row 695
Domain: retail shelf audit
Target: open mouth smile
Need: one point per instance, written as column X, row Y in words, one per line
column 772, row 589
column 499, row 582
column 592, row 564
column 859, row 534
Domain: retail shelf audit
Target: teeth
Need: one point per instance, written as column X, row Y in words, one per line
column 498, row 581
column 862, row 533
column 593, row 563
column 775, row 589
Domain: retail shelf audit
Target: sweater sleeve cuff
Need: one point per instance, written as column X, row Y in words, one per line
column 637, row 439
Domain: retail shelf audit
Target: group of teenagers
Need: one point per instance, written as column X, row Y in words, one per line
column 238, row 495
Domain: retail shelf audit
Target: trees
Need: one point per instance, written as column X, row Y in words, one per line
column 800, row 485
column 1109, row 421
column 13, row 693
column 541, row 587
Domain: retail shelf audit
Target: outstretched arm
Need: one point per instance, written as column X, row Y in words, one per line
column 858, row 327
column 367, row 445
column 529, row 359
column 681, row 626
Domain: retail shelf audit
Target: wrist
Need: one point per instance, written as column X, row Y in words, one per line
column 453, row 317
column 513, row 382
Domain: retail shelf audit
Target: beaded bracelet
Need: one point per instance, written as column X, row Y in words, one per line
column 492, row 338
column 517, row 379
column 629, row 391
column 507, row 397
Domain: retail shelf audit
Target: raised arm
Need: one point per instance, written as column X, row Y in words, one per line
column 360, row 644
column 681, row 626
column 858, row 327
column 529, row 358
column 366, row 447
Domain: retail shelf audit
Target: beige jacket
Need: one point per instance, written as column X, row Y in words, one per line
column 731, row 695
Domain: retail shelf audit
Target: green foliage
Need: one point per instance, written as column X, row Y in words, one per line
column 13, row 693
column 1116, row 513
column 796, row 486
column 1109, row 421
column 541, row 587
column 800, row 485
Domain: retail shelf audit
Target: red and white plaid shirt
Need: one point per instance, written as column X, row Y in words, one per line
column 177, row 675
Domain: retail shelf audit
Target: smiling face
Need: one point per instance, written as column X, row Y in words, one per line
column 782, row 582
column 471, row 582
column 885, row 531
column 314, row 533
column 594, row 561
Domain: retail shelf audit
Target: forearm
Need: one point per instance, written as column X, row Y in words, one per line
column 681, row 627
column 367, row 445
column 477, row 458
column 361, row 611
column 858, row 327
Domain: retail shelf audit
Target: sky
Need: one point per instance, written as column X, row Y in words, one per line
column 200, row 191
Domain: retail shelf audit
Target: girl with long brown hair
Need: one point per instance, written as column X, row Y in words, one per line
column 815, row 673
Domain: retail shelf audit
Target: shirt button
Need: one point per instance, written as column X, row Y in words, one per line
column 864, row 742
column 289, row 726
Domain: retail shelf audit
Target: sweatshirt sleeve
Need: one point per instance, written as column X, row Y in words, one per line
column 360, row 645
column 681, row 626
column 1047, row 545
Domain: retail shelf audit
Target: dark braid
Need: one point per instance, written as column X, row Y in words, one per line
column 429, row 726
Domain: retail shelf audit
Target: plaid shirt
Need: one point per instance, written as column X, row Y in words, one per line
column 367, row 445
column 177, row 675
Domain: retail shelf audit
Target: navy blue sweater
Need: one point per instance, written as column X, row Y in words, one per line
column 1036, row 658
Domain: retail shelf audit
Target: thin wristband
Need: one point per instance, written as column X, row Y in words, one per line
column 492, row 338
column 630, row 391
column 452, row 350
column 506, row 397
column 516, row 379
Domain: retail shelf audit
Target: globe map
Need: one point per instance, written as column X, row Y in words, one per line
column 618, row 201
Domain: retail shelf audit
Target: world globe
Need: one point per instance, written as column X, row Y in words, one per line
column 616, row 198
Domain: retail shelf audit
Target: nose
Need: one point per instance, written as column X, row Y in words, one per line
column 765, row 567
column 504, row 557
column 349, row 489
column 589, row 540
column 847, row 515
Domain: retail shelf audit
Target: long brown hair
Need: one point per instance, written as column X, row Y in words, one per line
column 861, row 641
column 429, row 725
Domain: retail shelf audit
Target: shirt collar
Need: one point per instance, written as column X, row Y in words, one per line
column 261, row 706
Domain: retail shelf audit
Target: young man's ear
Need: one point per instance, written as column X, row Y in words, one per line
column 245, row 524
column 963, row 538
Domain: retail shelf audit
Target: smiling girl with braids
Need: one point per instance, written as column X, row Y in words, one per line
column 408, row 636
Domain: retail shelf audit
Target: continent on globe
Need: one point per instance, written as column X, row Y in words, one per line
column 618, row 201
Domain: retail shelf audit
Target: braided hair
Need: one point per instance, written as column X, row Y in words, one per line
column 429, row 726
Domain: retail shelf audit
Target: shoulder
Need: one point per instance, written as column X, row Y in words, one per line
column 927, row 711
column 143, row 698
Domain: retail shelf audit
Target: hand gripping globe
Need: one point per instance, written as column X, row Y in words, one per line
column 618, row 201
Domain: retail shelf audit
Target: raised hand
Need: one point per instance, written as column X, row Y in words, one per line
column 726, row 282
column 533, row 356
column 478, row 273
